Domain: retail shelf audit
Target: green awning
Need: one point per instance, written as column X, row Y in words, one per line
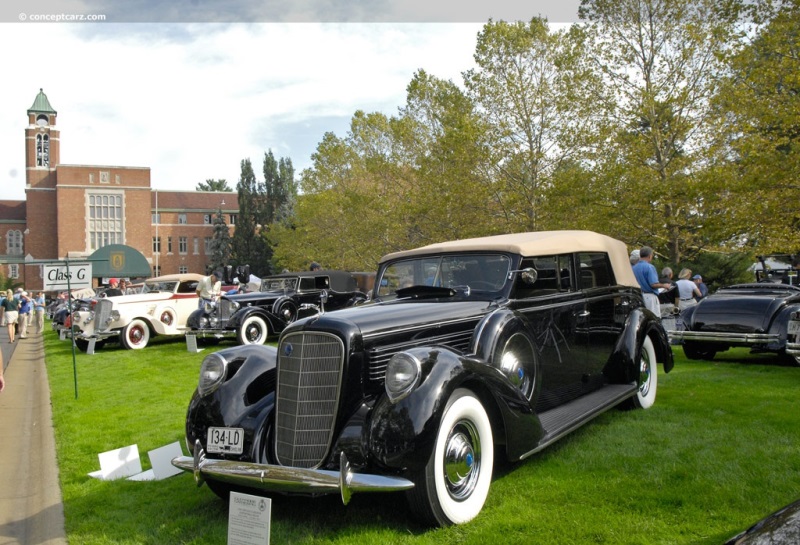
column 119, row 260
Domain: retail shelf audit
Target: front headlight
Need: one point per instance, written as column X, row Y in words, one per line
column 402, row 375
column 212, row 373
column 88, row 318
column 235, row 306
column 209, row 307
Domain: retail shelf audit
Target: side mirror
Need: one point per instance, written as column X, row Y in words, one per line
column 529, row 276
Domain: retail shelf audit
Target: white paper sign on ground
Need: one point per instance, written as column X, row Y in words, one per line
column 161, row 463
column 118, row 463
column 249, row 519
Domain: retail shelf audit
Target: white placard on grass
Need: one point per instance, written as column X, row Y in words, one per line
column 249, row 519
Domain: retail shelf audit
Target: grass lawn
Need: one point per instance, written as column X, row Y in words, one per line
column 718, row 451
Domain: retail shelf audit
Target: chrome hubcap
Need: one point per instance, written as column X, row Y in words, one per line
column 462, row 460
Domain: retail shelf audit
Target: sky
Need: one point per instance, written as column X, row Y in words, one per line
column 190, row 89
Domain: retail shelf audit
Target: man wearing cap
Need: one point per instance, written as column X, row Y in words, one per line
column 697, row 279
column 113, row 289
column 208, row 288
column 646, row 275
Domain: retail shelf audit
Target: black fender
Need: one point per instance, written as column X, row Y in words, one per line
column 623, row 365
column 193, row 321
column 402, row 435
column 254, row 364
column 275, row 324
column 780, row 325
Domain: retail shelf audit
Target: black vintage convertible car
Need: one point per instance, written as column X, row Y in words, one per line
column 252, row 317
column 511, row 341
column 755, row 315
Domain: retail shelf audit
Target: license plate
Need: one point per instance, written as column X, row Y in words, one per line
column 794, row 327
column 225, row 440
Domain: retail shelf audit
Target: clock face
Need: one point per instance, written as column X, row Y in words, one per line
column 41, row 120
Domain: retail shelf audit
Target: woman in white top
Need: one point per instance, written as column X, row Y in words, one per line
column 687, row 289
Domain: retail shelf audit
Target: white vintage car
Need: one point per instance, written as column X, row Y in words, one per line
column 161, row 308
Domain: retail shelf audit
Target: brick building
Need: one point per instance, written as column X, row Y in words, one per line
column 71, row 211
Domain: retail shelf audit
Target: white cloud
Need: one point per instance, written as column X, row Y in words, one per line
column 191, row 101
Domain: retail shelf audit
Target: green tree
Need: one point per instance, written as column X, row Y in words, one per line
column 250, row 245
column 534, row 88
column 759, row 117
column 660, row 61
column 221, row 244
column 213, row 185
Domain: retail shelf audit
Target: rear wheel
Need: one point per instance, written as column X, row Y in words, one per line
column 454, row 484
column 253, row 331
column 135, row 335
column 648, row 376
column 696, row 351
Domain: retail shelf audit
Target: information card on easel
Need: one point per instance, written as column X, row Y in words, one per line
column 249, row 519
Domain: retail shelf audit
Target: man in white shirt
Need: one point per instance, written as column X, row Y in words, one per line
column 208, row 288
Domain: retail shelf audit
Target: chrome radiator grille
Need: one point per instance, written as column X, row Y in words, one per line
column 224, row 310
column 102, row 312
column 309, row 376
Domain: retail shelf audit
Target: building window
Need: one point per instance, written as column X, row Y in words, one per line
column 196, row 246
column 13, row 271
column 169, row 245
column 156, row 218
column 14, row 243
column 182, row 219
column 183, row 269
column 105, row 220
column 157, row 270
column 183, row 245
column 156, row 245
column 207, row 245
column 233, row 219
column 207, row 219
column 42, row 150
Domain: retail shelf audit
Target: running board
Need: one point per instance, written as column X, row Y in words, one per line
column 562, row 420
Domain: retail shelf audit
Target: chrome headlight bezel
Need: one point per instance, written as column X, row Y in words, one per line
column 403, row 373
column 212, row 374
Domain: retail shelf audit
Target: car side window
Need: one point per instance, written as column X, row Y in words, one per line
column 595, row 270
column 554, row 275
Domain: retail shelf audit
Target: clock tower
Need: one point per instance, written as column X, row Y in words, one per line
column 42, row 156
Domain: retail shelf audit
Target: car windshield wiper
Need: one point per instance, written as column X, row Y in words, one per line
column 425, row 292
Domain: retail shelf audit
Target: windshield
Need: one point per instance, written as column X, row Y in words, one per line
column 483, row 273
column 279, row 284
column 159, row 286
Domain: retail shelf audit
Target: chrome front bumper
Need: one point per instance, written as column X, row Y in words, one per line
column 731, row 338
column 284, row 479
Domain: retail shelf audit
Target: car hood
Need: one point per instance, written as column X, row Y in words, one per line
column 244, row 298
column 396, row 317
column 148, row 297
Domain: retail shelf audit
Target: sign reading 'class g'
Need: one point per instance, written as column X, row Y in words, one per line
column 64, row 276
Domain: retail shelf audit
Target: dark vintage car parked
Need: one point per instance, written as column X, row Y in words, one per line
column 511, row 341
column 252, row 317
column 755, row 315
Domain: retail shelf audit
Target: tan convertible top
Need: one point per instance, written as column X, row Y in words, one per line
column 536, row 244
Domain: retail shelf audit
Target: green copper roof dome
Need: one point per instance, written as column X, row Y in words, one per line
column 41, row 104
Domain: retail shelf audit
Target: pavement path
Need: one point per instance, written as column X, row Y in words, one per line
column 31, row 509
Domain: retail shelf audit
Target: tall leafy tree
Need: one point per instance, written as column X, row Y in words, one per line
column 214, row 185
column 660, row 61
column 221, row 244
column 250, row 246
column 534, row 88
column 759, row 115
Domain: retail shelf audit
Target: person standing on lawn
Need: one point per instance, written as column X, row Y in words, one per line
column 38, row 312
column 647, row 277
column 11, row 306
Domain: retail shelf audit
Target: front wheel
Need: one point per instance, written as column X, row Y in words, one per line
column 454, row 484
column 648, row 376
column 253, row 331
column 135, row 335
